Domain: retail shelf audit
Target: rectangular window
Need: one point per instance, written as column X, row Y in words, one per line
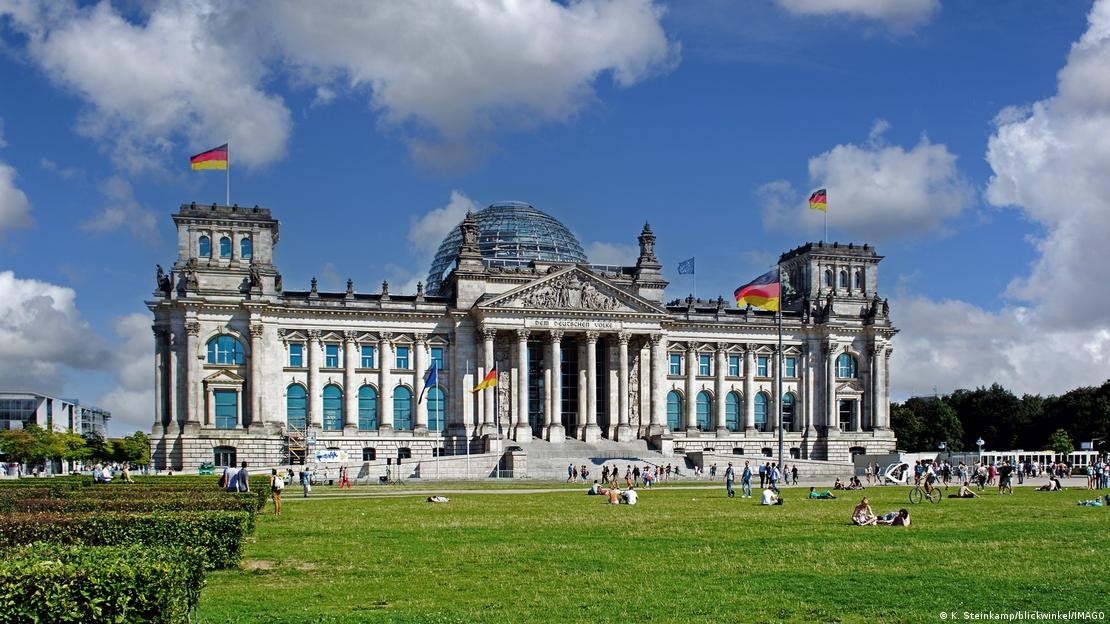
column 402, row 358
column 367, row 356
column 734, row 366
column 226, row 408
column 676, row 364
column 437, row 357
column 296, row 355
column 331, row 356
column 705, row 365
column 762, row 366
column 791, row 366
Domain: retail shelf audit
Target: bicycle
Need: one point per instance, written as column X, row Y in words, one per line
column 919, row 493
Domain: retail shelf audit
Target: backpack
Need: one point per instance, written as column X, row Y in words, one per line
column 279, row 484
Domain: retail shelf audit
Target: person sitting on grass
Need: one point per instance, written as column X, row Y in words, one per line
column 965, row 492
column 770, row 498
column 862, row 514
column 838, row 485
column 594, row 490
column 628, row 497
column 614, row 496
column 896, row 518
column 826, row 495
column 854, row 484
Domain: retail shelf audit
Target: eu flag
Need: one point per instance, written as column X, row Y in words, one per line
column 686, row 267
column 430, row 379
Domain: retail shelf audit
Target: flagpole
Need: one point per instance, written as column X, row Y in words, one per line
column 227, row 189
column 466, row 435
column 778, row 369
column 442, row 425
column 826, row 211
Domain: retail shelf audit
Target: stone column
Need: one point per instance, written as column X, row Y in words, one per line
column 195, row 385
column 809, row 404
column 749, row 389
column 624, row 432
column 721, row 367
column 420, row 361
column 775, row 408
column 593, row 432
column 658, row 385
column 385, row 382
column 256, row 384
column 489, row 427
column 522, row 433
column 831, row 419
column 882, row 421
column 209, row 408
column 160, row 382
column 581, row 415
column 315, row 391
column 878, row 387
column 350, row 391
column 173, row 424
column 555, row 431
column 691, row 416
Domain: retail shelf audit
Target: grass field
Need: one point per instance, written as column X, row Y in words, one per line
column 681, row 555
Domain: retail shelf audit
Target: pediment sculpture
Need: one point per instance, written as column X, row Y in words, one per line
column 569, row 293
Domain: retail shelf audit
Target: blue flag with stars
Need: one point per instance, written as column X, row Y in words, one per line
column 686, row 267
column 430, row 379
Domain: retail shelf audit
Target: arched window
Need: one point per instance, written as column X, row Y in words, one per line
column 367, row 408
column 296, row 406
column 858, row 280
column 204, row 247
column 788, row 403
column 674, row 410
column 225, row 247
column 435, row 409
column 402, row 409
column 246, row 249
column 846, row 366
column 761, row 401
column 828, row 278
column 225, row 349
column 843, row 279
column 333, row 408
column 703, row 408
column 732, row 411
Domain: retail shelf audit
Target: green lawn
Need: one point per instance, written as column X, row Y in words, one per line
column 679, row 556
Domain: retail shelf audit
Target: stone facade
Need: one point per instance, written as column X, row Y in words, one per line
column 246, row 370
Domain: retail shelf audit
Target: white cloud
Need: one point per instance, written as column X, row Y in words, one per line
column 183, row 78
column 131, row 401
column 66, row 173
column 42, row 333
column 612, row 253
column 15, row 208
column 898, row 15
column 1050, row 162
column 446, row 69
column 122, row 209
column 876, row 191
column 427, row 232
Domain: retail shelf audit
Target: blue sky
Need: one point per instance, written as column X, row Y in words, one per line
column 967, row 140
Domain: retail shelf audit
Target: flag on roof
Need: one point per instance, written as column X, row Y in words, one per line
column 819, row 200
column 686, row 267
column 215, row 158
column 763, row 292
column 489, row 381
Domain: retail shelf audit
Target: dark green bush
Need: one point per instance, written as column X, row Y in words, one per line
column 218, row 533
column 9, row 497
column 83, row 584
column 260, row 485
column 54, row 484
column 163, row 502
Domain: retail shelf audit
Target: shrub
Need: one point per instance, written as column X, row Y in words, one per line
column 162, row 502
column 55, row 583
column 218, row 533
column 54, row 484
column 10, row 496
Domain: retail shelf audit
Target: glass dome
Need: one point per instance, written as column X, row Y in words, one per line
column 509, row 234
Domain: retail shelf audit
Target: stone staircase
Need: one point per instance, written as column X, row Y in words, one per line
column 549, row 461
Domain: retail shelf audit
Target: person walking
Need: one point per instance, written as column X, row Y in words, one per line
column 276, row 486
column 344, row 477
column 636, row 475
column 570, row 473
column 776, row 474
column 794, row 473
column 746, row 482
column 730, row 475
column 306, row 486
column 762, row 476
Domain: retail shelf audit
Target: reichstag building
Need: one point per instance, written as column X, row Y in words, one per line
column 248, row 370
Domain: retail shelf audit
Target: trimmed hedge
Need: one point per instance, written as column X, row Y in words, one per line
column 260, row 485
column 83, row 584
column 147, row 504
column 9, row 497
column 56, row 485
column 218, row 533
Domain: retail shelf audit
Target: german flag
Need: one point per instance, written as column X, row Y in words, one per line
column 489, row 381
column 763, row 292
column 215, row 158
column 818, row 201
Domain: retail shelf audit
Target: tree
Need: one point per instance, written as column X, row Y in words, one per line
column 922, row 423
column 993, row 413
column 96, row 446
column 133, row 449
column 20, row 445
column 1060, row 442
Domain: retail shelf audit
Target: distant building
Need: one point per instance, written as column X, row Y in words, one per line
column 19, row 409
column 248, row 370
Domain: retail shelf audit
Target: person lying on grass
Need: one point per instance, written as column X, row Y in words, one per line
column 1053, row 485
column 826, row 495
column 965, row 492
column 862, row 514
column 896, row 518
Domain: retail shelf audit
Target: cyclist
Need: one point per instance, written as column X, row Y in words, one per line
column 930, row 476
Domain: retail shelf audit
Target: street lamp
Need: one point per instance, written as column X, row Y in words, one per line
column 941, row 446
column 980, row 444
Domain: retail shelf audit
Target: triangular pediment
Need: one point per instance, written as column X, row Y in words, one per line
column 572, row 289
column 849, row 387
column 224, row 376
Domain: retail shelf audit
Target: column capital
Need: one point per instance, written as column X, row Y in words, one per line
column 314, row 335
column 256, row 330
column 656, row 339
column 420, row 338
column 488, row 333
column 624, row 337
column 522, row 333
column 385, row 337
column 160, row 332
column 192, row 328
column 350, row 337
column 691, row 347
column 721, row 346
column 591, row 337
column 555, row 335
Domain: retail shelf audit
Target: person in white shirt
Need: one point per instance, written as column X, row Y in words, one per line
column 770, row 498
column 628, row 497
